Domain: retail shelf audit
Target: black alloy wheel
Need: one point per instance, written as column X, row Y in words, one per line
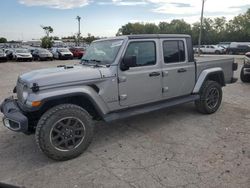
column 212, row 98
column 67, row 133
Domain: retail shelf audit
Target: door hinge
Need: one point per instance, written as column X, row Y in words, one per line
column 165, row 89
column 122, row 79
column 164, row 73
column 123, row 97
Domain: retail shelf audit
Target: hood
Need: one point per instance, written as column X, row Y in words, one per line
column 61, row 76
column 23, row 54
column 45, row 53
column 65, row 53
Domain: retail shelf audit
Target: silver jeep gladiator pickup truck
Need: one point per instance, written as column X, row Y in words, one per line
column 117, row 78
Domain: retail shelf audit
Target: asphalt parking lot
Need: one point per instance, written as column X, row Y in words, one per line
column 176, row 147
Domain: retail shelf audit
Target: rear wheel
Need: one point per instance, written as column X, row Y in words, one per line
column 210, row 97
column 64, row 132
column 244, row 77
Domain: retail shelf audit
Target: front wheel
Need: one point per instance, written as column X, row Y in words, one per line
column 210, row 97
column 217, row 52
column 64, row 132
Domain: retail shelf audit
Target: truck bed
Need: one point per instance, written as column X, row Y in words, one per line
column 206, row 62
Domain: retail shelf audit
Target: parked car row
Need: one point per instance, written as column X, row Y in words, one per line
column 39, row 54
column 236, row 48
column 210, row 49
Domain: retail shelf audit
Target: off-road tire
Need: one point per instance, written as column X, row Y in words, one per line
column 46, row 123
column 244, row 78
column 201, row 104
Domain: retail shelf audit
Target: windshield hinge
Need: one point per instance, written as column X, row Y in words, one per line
column 35, row 87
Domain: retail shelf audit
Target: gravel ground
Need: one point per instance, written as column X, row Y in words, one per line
column 176, row 147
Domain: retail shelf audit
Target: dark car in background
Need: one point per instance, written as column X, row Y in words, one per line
column 42, row 54
column 238, row 48
column 9, row 53
column 77, row 52
column 3, row 57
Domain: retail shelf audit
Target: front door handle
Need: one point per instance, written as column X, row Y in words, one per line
column 182, row 70
column 152, row 74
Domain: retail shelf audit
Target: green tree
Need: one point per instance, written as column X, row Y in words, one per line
column 48, row 30
column 90, row 38
column 150, row 28
column 179, row 27
column 164, row 27
column 132, row 28
column 213, row 30
column 3, row 40
column 47, row 42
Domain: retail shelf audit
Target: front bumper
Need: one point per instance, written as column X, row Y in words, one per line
column 63, row 57
column 46, row 58
column 14, row 119
column 4, row 58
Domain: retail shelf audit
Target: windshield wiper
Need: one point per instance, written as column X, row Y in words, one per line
column 98, row 63
column 95, row 60
column 86, row 60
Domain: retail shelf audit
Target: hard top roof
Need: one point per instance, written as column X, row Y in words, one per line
column 147, row 36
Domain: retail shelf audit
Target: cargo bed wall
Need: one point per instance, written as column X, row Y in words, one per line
column 211, row 62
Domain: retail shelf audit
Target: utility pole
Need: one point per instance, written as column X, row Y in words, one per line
column 79, row 30
column 201, row 27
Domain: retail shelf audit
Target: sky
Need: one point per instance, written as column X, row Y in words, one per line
column 22, row 19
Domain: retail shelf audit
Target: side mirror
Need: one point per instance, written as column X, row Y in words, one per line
column 128, row 62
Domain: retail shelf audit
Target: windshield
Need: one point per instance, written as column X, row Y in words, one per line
column 22, row 51
column 103, row 51
column 63, row 50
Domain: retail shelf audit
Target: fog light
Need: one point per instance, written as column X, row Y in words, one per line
column 12, row 125
column 6, row 122
column 36, row 103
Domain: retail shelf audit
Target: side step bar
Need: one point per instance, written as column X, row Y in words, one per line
column 149, row 108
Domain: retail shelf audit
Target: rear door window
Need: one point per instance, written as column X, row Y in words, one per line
column 174, row 51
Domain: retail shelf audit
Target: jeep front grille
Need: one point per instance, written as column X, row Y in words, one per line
column 19, row 90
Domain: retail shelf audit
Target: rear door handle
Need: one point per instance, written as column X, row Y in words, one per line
column 152, row 74
column 182, row 70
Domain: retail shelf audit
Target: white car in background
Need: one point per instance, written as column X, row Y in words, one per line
column 20, row 54
column 62, row 53
column 212, row 49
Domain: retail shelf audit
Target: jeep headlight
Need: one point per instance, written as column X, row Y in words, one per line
column 25, row 93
